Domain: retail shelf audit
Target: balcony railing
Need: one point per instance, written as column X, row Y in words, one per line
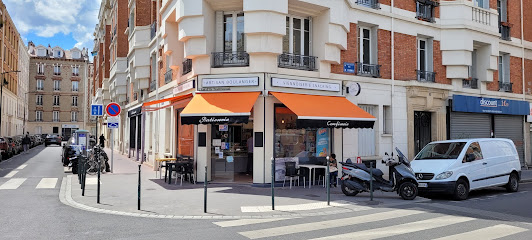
column 168, row 76
column 40, row 88
column 425, row 10
column 367, row 70
column 480, row 15
column 57, row 73
column 40, row 72
column 153, row 29
column 230, row 59
column 470, row 83
column 505, row 87
column 187, row 66
column 504, row 29
column 56, row 120
column 75, row 89
column 426, row 76
column 75, row 74
column 295, row 61
column 369, row 3
column 153, row 85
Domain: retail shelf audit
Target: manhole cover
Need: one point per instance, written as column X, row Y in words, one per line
column 312, row 195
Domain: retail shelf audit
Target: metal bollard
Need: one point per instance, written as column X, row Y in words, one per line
column 83, row 179
column 205, row 192
column 98, row 194
column 371, row 181
column 138, row 197
column 273, row 183
column 327, row 180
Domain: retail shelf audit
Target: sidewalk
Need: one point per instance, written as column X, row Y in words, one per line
column 160, row 199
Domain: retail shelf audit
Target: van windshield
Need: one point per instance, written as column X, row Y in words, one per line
column 449, row 150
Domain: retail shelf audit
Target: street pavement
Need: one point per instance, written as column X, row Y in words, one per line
column 43, row 202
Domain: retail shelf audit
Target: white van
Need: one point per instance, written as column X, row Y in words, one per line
column 459, row 166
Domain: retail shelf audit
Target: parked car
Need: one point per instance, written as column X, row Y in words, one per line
column 18, row 144
column 39, row 139
column 33, row 141
column 457, row 167
column 7, row 147
column 52, row 139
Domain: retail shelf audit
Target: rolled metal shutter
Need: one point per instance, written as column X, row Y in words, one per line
column 470, row 125
column 511, row 127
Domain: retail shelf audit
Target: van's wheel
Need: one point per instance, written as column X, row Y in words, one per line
column 513, row 183
column 461, row 190
column 408, row 191
column 347, row 191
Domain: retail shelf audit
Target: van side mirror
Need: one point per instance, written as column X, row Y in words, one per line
column 470, row 157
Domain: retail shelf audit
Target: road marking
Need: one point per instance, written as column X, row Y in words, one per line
column 401, row 228
column 92, row 181
column 336, row 223
column 493, row 232
column 22, row 166
column 295, row 207
column 11, row 174
column 47, row 183
column 13, row 183
column 243, row 222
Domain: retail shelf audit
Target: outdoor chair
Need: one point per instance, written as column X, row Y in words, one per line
column 291, row 172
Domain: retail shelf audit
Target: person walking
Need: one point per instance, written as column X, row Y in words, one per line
column 333, row 170
column 102, row 141
column 26, row 142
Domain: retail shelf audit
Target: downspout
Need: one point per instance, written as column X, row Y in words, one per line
column 393, row 74
column 523, row 76
column 156, row 143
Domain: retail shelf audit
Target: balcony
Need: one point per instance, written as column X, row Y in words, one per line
column 470, row 83
column 187, row 66
column 75, row 89
column 57, row 73
column 153, row 29
column 230, row 59
column 505, row 87
column 369, row 3
column 40, row 73
column 153, row 85
column 367, row 70
column 480, row 15
column 425, row 76
column 504, row 29
column 425, row 10
column 39, row 88
column 168, row 76
column 295, row 61
column 75, row 74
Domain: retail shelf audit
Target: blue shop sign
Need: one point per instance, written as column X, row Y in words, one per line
column 490, row 105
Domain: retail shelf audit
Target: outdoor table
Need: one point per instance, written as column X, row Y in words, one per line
column 158, row 161
column 310, row 168
column 176, row 164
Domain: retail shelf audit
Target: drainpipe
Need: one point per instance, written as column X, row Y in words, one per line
column 156, row 143
column 393, row 75
column 523, row 76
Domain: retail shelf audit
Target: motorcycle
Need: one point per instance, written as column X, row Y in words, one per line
column 356, row 177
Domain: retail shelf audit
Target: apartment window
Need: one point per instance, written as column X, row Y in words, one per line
column 57, row 85
column 297, row 39
column 39, row 100
column 40, row 68
column 482, row 3
column 41, row 52
column 504, row 68
column 56, row 100
column 75, row 70
column 56, row 116
column 234, row 32
column 74, row 116
column 387, row 120
column 58, row 53
column 425, row 10
column 366, row 50
column 75, row 86
column 38, row 116
column 57, row 70
column 424, row 60
column 75, row 101
column 40, row 84
column 367, row 58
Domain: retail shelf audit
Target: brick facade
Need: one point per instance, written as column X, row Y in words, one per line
column 143, row 13
column 409, row 5
column 350, row 54
column 439, row 68
column 528, row 77
column 516, row 76
column 405, row 56
column 122, row 39
column 514, row 18
column 385, row 53
column 527, row 19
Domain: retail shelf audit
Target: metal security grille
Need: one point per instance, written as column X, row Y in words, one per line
column 366, row 136
column 511, row 127
column 470, row 125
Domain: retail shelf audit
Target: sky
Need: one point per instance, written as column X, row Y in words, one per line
column 63, row 23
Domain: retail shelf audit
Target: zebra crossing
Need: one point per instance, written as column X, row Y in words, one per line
column 16, row 183
column 376, row 224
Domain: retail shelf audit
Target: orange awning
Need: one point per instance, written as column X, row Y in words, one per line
column 219, row 108
column 325, row 111
column 174, row 99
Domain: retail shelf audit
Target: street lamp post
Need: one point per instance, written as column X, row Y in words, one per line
column 4, row 82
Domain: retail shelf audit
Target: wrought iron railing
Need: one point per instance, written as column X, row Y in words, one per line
column 168, row 76
column 505, row 87
column 230, row 59
column 367, row 70
column 504, row 29
column 425, row 10
column 187, row 66
column 470, row 83
column 153, row 29
column 369, row 3
column 426, row 76
column 480, row 15
column 295, row 61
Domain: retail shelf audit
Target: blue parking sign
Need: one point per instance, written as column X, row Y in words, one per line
column 96, row 110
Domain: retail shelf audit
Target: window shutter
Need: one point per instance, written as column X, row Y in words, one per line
column 506, row 66
column 219, row 31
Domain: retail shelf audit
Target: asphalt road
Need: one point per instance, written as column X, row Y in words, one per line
column 31, row 209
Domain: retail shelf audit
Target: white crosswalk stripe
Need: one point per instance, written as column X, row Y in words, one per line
column 494, row 232
column 22, row 166
column 243, row 222
column 13, row 183
column 11, row 174
column 47, row 183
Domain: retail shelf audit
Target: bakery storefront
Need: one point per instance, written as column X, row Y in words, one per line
column 244, row 121
column 482, row 117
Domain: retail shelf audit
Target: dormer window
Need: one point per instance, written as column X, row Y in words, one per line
column 57, row 53
column 76, row 54
column 41, row 52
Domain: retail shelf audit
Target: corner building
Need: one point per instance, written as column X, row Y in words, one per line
column 304, row 79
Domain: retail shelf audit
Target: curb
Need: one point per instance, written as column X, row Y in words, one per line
column 65, row 196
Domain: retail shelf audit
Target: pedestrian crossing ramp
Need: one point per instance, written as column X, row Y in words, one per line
column 388, row 223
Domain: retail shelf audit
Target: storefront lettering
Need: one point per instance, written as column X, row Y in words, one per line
column 228, row 82
column 337, row 124
column 213, row 120
column 289, row 83
column 488, row 103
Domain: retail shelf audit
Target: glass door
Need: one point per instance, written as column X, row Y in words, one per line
column 229, row 152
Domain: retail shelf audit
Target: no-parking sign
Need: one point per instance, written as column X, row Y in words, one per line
column 113, row 109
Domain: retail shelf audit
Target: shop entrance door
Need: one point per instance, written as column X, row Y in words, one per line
column 422, row 130
column 229, row 153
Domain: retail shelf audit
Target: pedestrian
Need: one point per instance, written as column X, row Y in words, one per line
column 333, row 170
column 250, row 155
column 26, row 142
column 102, row 140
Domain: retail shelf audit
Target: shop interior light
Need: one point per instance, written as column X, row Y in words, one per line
column 282, row 120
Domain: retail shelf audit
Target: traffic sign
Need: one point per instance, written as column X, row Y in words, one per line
column 112, row 125
column 96, row 110
column 113, row 109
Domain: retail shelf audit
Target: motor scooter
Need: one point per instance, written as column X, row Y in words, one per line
column 356, row 177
